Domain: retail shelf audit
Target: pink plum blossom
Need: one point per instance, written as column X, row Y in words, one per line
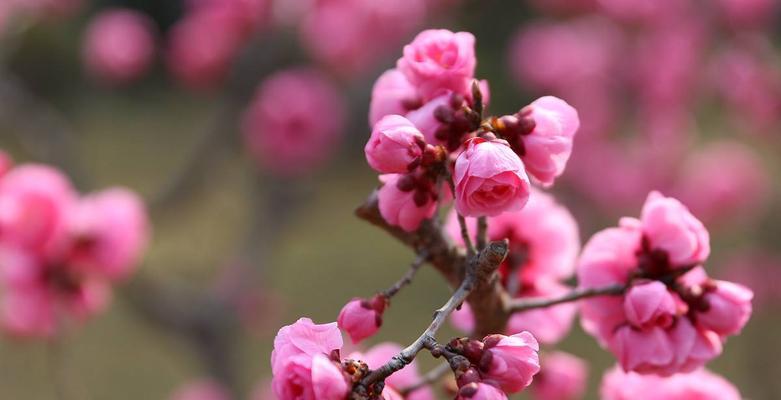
column 307, row 338
column 119, row 45
column 480, row 391
column 748, row 13
column 402, row 204
column 490, row 179
column 395, row 145
column 392, row 94
column 698, row 385
column 438, row 60
column 111, row 231
column 562, row 377
column 362, row 318
column 294, row 122
column 514, row 361
column 309, row 377
column 728, row 308
column 649, row 304
column 669, row 226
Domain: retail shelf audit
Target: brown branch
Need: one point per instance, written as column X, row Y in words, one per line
column 407, row 278
column 482, row 232
column 519, row 305
column 481, row 268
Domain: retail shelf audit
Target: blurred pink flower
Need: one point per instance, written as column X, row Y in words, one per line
column 759, row 271
column 119, row 46
column 204, row 389
column 748, row 13
column 700, row 384
column 728, row 307
column 480, row 391
column 110, row 231
column 489, row 179
column 6, row 163
column 738, row 195
column 668, row 226
column 294, row 122
column 352, row 36
column 562, row 377
column 392, row 94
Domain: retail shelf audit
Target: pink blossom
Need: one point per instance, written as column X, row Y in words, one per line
column 204, row 389
column 425, row 118
column 304, row 337
column 513, row 361
column 390, row 394
column 649, row 304
column 110, row 231
column 407, row 376
column 201, row 48
column 246, row 15
column 309, row 377
column 392, row 94
column 563, row 377
column 395, row 145
column 728, row 308
column 35, row 206
column 119, row 45
column 489, row 179
column 401, row 207
column 669, row 226
column 439, row 60
column 361, row 318
column 748, row 13
column 698, row 385
column 548, row 147
column 739, row 194
column 642, row 11
column 294, row 122
column 480, row 391
column 359, row 33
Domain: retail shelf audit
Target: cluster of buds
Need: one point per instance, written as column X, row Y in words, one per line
column 489, row 368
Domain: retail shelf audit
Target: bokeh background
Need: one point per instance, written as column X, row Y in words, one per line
column 681, row 96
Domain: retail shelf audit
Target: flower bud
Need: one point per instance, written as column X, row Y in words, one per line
column 402, row 203
column 728, row 308
column 395, row 145
column 649, row 304
column 670, row 227
column 361, row 318
column 513, row 362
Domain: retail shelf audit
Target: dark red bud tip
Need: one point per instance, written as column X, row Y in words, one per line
column 468, row 391
column 485, row 361
column 526, row 111
column 412, row 103
column 456, row 101
column 406, row 183
column 378, row 320
column 421, row 198
column 492, row 340
column 444, row 114
column 473, row 350
column 335, row 355
column 469, row 376
column 379, row 302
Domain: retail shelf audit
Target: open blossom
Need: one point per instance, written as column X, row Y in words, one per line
column 513, row 361
column 111, row 231
column 294, row 122
column 392, row 94
column 305, row 337
column 545, row 150
column 119, row 45
column 403, row 204
column 395, row 145
column 362, row 318
column 700, row 384
column 439, row 60
column 407, row 376
column 656, row 327
column 563, row 377
column 480, row 391
column 489, row 179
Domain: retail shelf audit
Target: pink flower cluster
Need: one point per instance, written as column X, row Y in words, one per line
column 423, row 118
column 294, row 123
column 307, row 364
column 562, row 377
column 672, row 318
column 700, row 384
column 59, row 252
column 544, row 246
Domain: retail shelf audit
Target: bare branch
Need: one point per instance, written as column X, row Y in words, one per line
column 518, row 305
column 482, row 232
column 407, row 278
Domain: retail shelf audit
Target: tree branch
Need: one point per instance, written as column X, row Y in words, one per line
column 521, row 304
column 407, row 278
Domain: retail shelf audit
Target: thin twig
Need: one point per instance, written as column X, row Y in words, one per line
column 482, row 233
column 470, row 249
column 518, row 305
column 431, row 377
column 481, row 268
column 407, row 278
